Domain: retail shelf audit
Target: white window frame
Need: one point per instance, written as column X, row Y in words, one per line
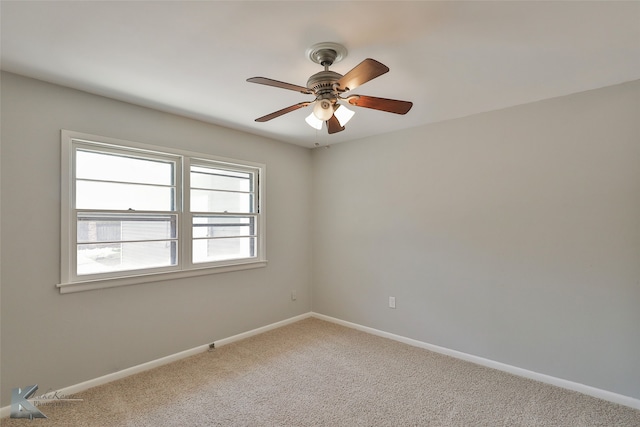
column 71, row 282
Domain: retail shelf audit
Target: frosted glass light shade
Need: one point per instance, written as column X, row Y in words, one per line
column 343, row 114
column 313, row 121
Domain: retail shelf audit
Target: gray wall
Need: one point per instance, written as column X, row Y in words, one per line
column 512, row 235
column 59, row 340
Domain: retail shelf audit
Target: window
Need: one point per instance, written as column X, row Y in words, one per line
column 133, row 213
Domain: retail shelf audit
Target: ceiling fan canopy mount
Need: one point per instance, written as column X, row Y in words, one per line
column 327, row 53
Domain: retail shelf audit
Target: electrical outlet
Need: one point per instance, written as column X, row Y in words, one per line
column 293, row 295
column 392, row 302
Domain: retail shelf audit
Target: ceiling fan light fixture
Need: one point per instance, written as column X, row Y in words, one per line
column 328, row 87
column 323, row 109
column 343, row 114
column 313, row 121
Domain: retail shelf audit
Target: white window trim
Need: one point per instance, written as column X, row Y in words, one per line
column 69, row 283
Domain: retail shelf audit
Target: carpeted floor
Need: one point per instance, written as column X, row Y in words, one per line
column 315, row 373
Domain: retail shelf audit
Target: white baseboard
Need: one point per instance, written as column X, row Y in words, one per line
column 559, row 382
column 261, row 330
column 77, row 388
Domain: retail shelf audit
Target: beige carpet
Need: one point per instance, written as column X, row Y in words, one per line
column 315, row 373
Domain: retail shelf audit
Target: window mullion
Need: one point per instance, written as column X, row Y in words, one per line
column 186, row 215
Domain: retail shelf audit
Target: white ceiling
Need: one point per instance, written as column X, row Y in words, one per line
column 451, row 59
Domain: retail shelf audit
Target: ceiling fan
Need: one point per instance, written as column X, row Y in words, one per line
column 328, row 87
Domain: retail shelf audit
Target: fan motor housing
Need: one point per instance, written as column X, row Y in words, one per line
column 323, row 81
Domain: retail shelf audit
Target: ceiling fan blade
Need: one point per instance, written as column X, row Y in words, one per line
column 281, row 112
column 276, row 83
column 367, row 70
column 382, row 104
column 333, row 125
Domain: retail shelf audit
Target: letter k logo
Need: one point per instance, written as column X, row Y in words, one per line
column 21, row 407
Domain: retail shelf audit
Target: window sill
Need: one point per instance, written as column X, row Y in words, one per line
column 66, row 288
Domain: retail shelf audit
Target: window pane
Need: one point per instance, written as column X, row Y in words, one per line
column 223, row 226
column 220, row 179
column 114, row 196
column 105, row 258
column 210, row 250
column 110, row 228
column 115, row 167
column 221, row 201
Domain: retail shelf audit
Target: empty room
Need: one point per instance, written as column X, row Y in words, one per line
column 320, row 213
